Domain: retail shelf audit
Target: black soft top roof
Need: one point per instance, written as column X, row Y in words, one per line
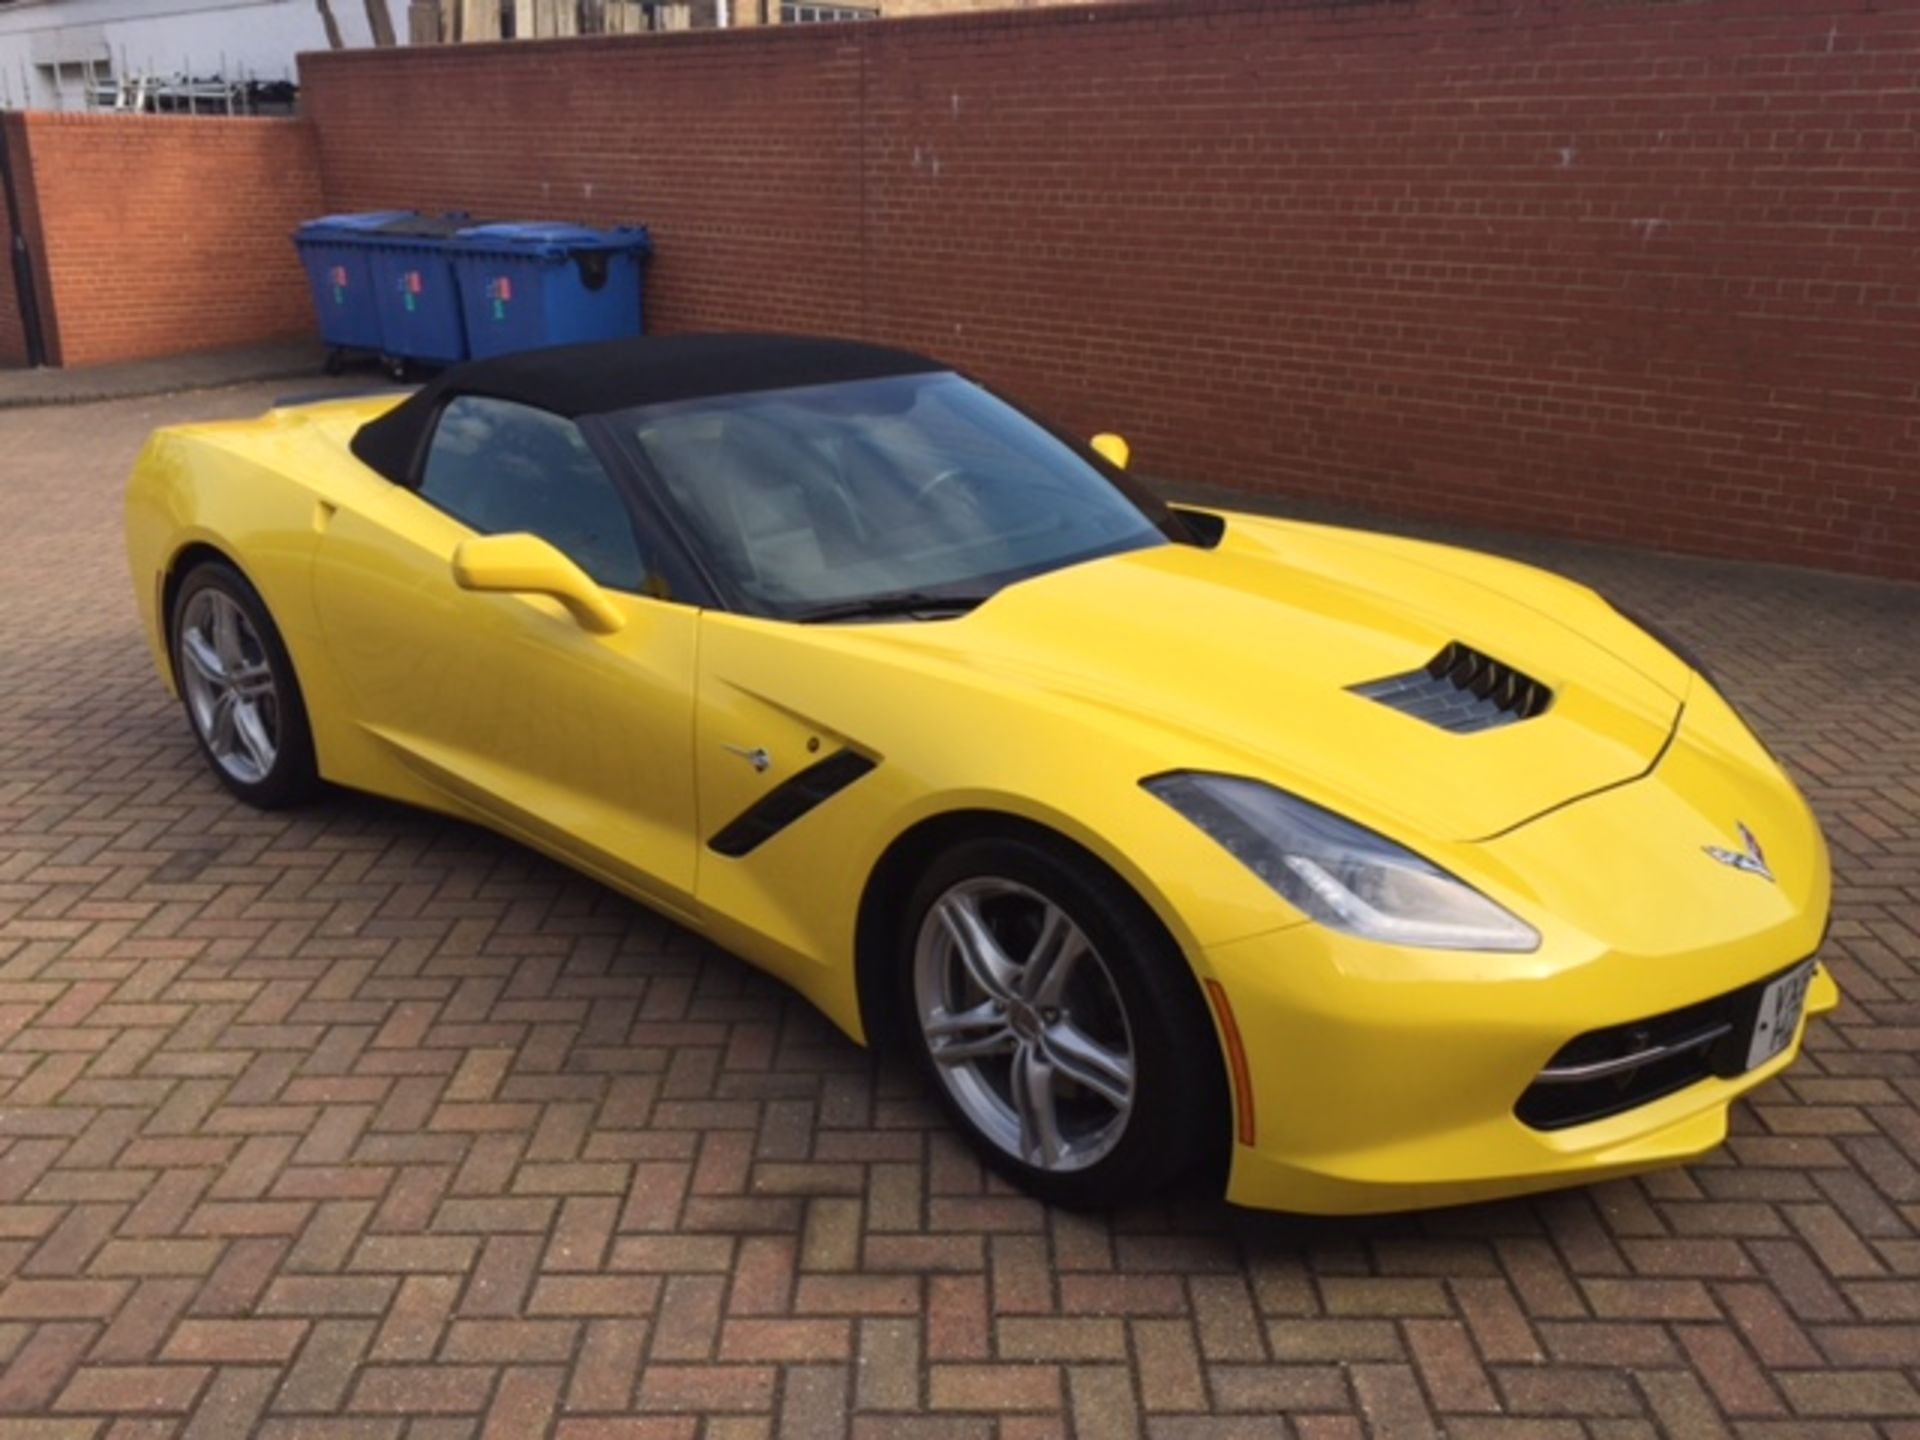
column 609, row 375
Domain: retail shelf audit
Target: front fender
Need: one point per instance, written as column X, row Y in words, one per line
column 939, row 734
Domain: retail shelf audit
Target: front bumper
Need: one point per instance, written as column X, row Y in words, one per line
column 1385, row 1079
column 1357, row 1114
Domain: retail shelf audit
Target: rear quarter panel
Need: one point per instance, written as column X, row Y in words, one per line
column 256, row 492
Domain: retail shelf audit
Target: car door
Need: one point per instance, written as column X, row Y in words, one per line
column 578, row 742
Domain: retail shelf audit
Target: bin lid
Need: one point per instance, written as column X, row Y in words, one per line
column 359, row 223
column 435, row 227
column 552, row 239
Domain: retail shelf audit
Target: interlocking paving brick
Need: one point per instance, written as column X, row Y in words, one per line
column 357, row 1124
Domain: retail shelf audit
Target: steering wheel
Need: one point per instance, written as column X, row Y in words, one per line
column 950, row 473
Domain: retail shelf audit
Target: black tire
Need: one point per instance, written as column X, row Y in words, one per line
column 1179, row 1116
column 293, row 777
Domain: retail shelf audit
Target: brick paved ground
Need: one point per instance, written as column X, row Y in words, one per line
column 358, row 1123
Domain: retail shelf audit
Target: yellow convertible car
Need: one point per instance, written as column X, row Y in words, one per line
column 1347, row 872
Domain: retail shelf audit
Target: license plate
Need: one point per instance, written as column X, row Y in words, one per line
column 1779, row 1017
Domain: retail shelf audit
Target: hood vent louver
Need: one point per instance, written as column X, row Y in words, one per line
column 1461, row 690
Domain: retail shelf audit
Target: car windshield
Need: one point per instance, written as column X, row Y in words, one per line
column 913, row 494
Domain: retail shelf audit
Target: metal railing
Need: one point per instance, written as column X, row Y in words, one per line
column 120, row 89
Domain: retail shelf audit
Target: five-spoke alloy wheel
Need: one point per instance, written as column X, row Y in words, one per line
column 1025, row 1024
column 229, row 686
column 1060, row 1025
column 239, row 688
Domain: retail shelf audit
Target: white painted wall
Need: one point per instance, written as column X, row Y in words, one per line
column 240, row 39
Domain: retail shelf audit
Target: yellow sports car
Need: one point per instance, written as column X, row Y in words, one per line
column 1352, row 872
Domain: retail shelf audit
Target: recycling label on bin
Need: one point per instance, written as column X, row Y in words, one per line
column 411, row 288
column 500, row 292
column 337, row 278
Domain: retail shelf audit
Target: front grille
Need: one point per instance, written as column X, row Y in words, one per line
column 1461, row 690
column 1605, row 1072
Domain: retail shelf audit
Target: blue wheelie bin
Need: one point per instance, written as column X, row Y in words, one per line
column 334, row 252
column 414, row 290
column 532, row 284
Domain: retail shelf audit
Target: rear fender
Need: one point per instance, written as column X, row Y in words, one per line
column 191, row 497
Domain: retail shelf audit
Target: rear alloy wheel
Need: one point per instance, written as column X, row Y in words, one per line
column 1059, row 1024
column 239, row 689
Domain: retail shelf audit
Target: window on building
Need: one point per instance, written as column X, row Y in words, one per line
column 77, row 83
column 811, row 14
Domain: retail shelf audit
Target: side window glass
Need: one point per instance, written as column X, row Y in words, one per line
column 499, row 468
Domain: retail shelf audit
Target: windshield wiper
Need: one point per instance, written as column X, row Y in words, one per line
column 916, row 603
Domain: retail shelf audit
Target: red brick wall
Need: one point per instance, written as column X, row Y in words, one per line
column 162, row 234
column 1634, row 271
column 741, row 149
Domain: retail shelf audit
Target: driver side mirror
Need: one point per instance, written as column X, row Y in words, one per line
column 1111, row 448
column 524, row 564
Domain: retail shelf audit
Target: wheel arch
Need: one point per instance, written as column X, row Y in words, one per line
column 891, row 880
column 189, row 555
column 893, row 873
column 187, row 558
column 291, row 774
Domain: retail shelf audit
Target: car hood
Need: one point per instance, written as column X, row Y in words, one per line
column 1245, row 656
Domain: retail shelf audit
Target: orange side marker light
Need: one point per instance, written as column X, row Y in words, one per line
column 1236, row 1063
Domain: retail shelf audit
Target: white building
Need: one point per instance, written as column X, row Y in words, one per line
column 54, row 54
column 51, row 50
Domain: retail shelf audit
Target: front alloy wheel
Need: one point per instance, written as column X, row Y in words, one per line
column 1024, row 1023
column 1060, row 1026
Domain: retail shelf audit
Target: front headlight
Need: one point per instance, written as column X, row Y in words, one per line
column 1339, row 873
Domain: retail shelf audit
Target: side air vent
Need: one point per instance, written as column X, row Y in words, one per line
column 788, row 802
column 1463, row 691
